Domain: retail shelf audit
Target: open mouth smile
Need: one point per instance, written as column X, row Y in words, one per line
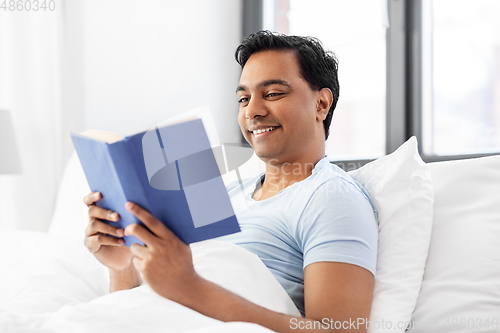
column 263, row 131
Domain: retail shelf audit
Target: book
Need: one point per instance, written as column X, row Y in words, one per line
column 170, row 171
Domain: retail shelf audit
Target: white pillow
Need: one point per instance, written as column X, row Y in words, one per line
column 70, row 215
column 400, row 185
column 461, row 287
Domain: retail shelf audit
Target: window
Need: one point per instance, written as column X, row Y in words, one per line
column 462, row 70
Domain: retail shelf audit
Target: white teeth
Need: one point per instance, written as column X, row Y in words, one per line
column 263, row 130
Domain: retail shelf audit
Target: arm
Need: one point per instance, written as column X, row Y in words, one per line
column 333, row 291
column 125, row 279
column 337, row 295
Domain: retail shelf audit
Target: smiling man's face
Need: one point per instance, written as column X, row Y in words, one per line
column 275, row 98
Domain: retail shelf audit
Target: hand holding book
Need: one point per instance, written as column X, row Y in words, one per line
column 169, row 171
column 109, row 250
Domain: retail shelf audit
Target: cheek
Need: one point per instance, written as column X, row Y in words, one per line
column 241, row 122
column 241, row 119
column 298, row 118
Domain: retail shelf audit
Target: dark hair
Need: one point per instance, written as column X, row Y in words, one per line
column 318, row 66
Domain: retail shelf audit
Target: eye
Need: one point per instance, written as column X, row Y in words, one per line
column 273, row 94
column 243, row 100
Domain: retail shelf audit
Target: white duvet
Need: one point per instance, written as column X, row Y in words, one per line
column 52, row 284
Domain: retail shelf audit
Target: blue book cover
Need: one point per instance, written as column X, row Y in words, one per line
column 170, row 171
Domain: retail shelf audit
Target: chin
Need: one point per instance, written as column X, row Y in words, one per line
column 266, row 155
column 262, row 153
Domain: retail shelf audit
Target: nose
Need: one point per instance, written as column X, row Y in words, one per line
column 255, row 108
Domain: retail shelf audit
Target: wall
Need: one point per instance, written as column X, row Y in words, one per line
column 146, row 61
column 107, row 64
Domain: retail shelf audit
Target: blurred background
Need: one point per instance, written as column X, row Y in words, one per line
column 429, row 68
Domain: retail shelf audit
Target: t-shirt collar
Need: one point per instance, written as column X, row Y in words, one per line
column 319, row 165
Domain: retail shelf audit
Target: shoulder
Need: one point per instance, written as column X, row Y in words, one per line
column 336, row 204
column 332, row 186
column 339, row 222
column 337, row 201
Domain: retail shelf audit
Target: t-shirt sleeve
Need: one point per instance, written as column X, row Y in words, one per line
column 339, row 224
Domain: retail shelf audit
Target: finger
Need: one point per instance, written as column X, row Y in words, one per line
column 139, row 250
column 91, row 198
column 94, row 243
column 103, row 214
column 96, row 226
column 142, row 233
column 153, row 224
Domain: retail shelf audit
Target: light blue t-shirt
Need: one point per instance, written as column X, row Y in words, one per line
column 326, row 217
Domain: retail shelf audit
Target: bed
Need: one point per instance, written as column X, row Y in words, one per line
column 438, row 263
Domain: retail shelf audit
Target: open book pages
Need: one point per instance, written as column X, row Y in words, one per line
column 108, row 137
column 204, row 113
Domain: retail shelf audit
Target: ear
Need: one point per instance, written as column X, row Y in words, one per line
column 325, row 100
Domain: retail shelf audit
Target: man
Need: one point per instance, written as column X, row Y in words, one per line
column 310, row 223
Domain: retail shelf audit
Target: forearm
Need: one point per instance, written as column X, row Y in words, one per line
column 126, row 279
column 216, row 302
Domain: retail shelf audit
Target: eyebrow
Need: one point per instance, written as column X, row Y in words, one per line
column 265, row 84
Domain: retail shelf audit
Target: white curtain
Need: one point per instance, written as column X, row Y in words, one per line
column 41, row 84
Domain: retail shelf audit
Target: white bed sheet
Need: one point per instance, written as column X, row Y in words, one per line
column 52, row 284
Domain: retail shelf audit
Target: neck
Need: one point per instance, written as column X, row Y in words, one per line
column 282, row 174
